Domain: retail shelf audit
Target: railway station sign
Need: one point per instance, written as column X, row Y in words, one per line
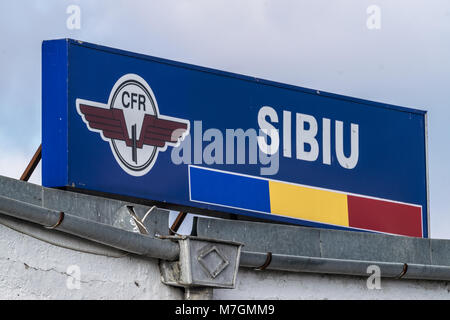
column 125, row 124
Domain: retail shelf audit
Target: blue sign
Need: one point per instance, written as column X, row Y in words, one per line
column 132, row 125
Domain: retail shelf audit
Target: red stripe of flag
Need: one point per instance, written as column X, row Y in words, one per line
column 384, row 216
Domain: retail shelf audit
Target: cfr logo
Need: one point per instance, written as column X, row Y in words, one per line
column 132, row 124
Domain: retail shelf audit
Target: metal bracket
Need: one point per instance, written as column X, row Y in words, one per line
column 32, row 165
column 177, row 223
column 203, row 263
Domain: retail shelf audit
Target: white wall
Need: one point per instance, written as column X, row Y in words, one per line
column 33, row 267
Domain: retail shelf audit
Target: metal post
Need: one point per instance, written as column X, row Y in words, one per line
column 177, row 223
column 32, row 165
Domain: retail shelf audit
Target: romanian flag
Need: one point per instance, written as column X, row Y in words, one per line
column 334, row 208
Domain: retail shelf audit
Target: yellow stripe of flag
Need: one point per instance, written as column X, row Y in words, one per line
column 308, row 204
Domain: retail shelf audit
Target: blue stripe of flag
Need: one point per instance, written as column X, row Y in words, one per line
column 229, row 190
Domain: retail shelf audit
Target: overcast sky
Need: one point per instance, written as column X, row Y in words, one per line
column 319, row 44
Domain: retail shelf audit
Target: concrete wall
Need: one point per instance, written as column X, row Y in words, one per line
column 35, row 263
column 32, row 268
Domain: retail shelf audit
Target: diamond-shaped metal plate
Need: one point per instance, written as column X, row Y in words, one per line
column 212, row 261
